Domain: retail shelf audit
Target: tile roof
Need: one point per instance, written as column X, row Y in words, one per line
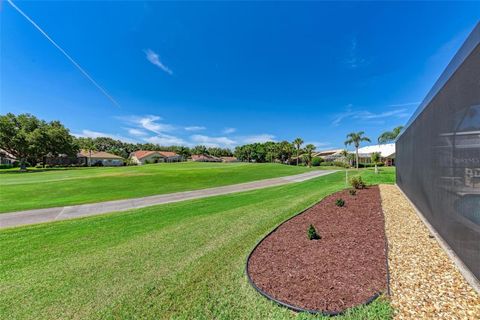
column 98, row 154
column 168, row 153
column 229, row 158
column 144, row 153
column 204, row 157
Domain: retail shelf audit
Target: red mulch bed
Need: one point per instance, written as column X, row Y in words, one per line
column 345, row 268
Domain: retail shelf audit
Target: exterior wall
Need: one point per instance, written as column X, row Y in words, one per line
column 176, row 158
column 107, row 162
column 6, row 160
column 438, row 155
column 152, row 158
column 156, row 158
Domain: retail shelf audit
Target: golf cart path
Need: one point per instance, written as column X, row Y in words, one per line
column 20, row 218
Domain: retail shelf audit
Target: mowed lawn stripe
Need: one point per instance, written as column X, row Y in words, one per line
column 55, row 188
column 182, row 261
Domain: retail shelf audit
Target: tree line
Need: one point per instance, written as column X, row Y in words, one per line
column 32, row 140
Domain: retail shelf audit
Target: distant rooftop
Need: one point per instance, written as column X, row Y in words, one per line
column 385, row 150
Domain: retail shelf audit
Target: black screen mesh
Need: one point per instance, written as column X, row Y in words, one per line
column 438, row 161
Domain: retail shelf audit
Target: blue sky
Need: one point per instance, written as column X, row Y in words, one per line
column 219, row 73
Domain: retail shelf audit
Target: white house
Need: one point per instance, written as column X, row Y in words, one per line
column 6, row 157
column 387, row 153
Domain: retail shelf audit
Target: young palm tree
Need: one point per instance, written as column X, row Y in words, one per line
column 298, row 143
column 309, row 149
column 90, row 146
column 375, row 157
column 344, row 153
column 355, row 138
column 389, row 136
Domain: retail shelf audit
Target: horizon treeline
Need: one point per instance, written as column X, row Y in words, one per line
column 31, row 140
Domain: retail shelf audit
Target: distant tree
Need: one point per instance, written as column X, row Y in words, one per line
column 345, row 154
column 90, row 146
column 286, row 151
column 308, row 155
column 272, row 151
column 356, row 138
column 298, row 144
column 58, row 141
column 248, row 151
column 389, row 136
column 183, row 151
column 200, row 149
column 30, row 139
column 375, row 157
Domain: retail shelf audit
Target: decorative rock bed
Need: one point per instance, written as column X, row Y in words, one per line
column 425, row 283
column 346, row 267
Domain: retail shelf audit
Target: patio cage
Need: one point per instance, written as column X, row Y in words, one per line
column 438, row 155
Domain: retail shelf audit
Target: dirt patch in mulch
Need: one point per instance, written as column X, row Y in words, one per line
column 345, row 268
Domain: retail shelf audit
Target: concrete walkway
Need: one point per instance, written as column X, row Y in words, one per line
column 20, row 218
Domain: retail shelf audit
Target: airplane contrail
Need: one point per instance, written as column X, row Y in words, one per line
column 99, row 87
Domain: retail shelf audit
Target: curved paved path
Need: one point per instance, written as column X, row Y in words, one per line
column 20, row 218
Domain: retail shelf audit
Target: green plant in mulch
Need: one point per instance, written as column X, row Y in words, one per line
column 312, row 233
column 357, row 182
column 340, row 202
column 352, row 192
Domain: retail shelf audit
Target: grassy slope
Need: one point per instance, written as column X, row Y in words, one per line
column 184, row 260
column 52, row 188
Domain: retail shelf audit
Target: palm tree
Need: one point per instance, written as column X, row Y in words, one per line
column 389, row 136
column 375, row 157
column 298, row 143
column 309, row 148
column 90, row 146
column 355, row 138
column 344, row 153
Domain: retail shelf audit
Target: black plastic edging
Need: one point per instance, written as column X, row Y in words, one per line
column 298, row 309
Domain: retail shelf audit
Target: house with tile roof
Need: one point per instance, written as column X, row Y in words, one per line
column 146, row 156
column 99, row 158
column 229, row 159
column 205, row 158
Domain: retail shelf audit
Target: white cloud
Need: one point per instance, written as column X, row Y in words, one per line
column 212, row 141
column 318, row 145
column 405, row 104
column 96, row 134
column 229, row 130
column 154, row 58
column 258, row 138
column 195, row 128
column 354, row 60
column 136, row 132
column 364, row 115
column 149, row 122
column 166, row 140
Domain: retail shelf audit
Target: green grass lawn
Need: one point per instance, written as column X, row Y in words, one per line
column 183, row 260
column 59, row 187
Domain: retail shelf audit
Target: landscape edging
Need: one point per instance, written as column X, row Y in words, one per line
column 298, row 309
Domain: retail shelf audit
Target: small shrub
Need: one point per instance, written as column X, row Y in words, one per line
column 316, row 161
column 312, row 233
column 352, row 192
column 340, row 164
column 6, row 166
column 357, row 182
column 340, row 202
column 370, row 165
